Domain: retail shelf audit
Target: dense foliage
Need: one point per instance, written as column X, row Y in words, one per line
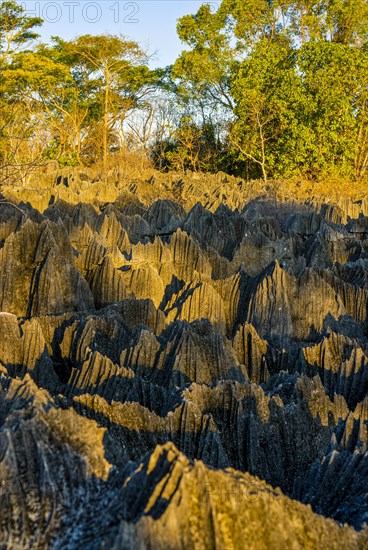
column 263, row 89
column 294, row 76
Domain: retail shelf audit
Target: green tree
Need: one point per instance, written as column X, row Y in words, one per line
column 206, row 69
column 335, row 82
column 282, row 66
column 16, row 29
column 17, row 156
column 193, row 147
column 81, row 90
column 269, row 96
column 114, row 73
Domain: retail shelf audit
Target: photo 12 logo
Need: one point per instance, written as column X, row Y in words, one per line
column 89, row 12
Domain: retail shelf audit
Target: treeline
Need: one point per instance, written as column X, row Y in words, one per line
column 263, row 88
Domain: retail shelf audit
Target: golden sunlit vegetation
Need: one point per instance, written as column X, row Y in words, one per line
column 262, row 90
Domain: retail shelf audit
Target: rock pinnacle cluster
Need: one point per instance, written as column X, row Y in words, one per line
column 183, row 365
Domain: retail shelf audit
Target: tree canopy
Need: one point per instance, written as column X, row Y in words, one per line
column 293, row 75
column 262, row 88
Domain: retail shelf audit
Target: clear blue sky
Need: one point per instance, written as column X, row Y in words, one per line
column 152, row 23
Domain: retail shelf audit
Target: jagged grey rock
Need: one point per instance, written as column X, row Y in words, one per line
column 161, row 362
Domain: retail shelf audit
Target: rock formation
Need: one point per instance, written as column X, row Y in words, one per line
column 189, row 372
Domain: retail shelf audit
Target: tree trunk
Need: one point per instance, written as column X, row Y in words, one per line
column 105, row 129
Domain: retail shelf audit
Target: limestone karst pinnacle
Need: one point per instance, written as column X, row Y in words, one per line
column 188, row 372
